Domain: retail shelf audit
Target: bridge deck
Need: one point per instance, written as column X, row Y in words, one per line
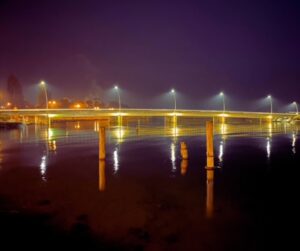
column 96, row 113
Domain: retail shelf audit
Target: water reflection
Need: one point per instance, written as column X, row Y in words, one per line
column 268, row 147
column 175, row 131
column 209, row 192
column 52, row 145
column 116, row 160
column 224, row 128
column 119, row 133
column 270, row 129
column 102, row 178
column 184, row 166
column 51, row 142
column 221, row 152
column 77, row 125
column 173, row 156
column 43, row 167
column 294, row 138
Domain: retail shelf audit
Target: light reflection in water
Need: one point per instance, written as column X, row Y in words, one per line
column 119, row 134
column 209, row 192
column 268, row 147
column 49, row 133
column 43, row 167
column 77, row 125
column 184, row 166
column 52, row 145
column 221, row 152
column 224, row 128
column 294, row 138
column 270, row 129
column 175, row 131
column 102, row 178
column 116, row 161
column 50, row 141
column 173, row 156
column 285, row 126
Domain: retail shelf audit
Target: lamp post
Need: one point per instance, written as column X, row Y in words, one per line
column 118, row 93
column 43, row 85
column 271, row 103
column 223, row 98
column 174, row 95
column 296, row 105
column 119, row 117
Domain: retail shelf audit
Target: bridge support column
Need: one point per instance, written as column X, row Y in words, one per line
column 102, row 150
column 209, row 145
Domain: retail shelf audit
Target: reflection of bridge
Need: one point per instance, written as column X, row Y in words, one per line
column 60, row 114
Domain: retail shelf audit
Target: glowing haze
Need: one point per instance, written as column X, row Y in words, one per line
column 247, row 49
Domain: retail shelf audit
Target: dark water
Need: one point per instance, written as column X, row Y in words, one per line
column 54, row 193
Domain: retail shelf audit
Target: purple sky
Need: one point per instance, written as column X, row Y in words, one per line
column 248, row 49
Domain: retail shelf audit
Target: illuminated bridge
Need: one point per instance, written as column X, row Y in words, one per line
column 94, row 114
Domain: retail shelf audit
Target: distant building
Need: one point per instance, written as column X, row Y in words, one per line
column 15, row 92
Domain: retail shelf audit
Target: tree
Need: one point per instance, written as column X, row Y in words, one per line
column 15, row 92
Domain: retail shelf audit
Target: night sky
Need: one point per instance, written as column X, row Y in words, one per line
column 247, row 49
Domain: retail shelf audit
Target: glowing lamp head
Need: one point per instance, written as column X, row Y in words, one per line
column 172, row 91
column 116, row 87
column 269, row 96
column 294, row 103
column 42, row 82
column 221, row 94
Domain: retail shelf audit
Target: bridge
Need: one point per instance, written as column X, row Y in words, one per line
column 60, row 114
column 93, row 114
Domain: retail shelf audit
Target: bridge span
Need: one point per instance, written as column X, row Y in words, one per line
column 60, row 114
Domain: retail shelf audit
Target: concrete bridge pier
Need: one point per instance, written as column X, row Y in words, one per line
column 210, row 145
column 102, row 143
column 209, row 168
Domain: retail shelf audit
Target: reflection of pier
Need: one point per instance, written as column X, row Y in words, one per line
column 102, row 177
column 209, row 192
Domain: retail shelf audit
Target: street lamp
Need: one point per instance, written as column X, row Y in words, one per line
column 174, row 95
column 43, row 85
column 296, row 105
column 271, row 104
column 118, row 92
column 223, row 98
